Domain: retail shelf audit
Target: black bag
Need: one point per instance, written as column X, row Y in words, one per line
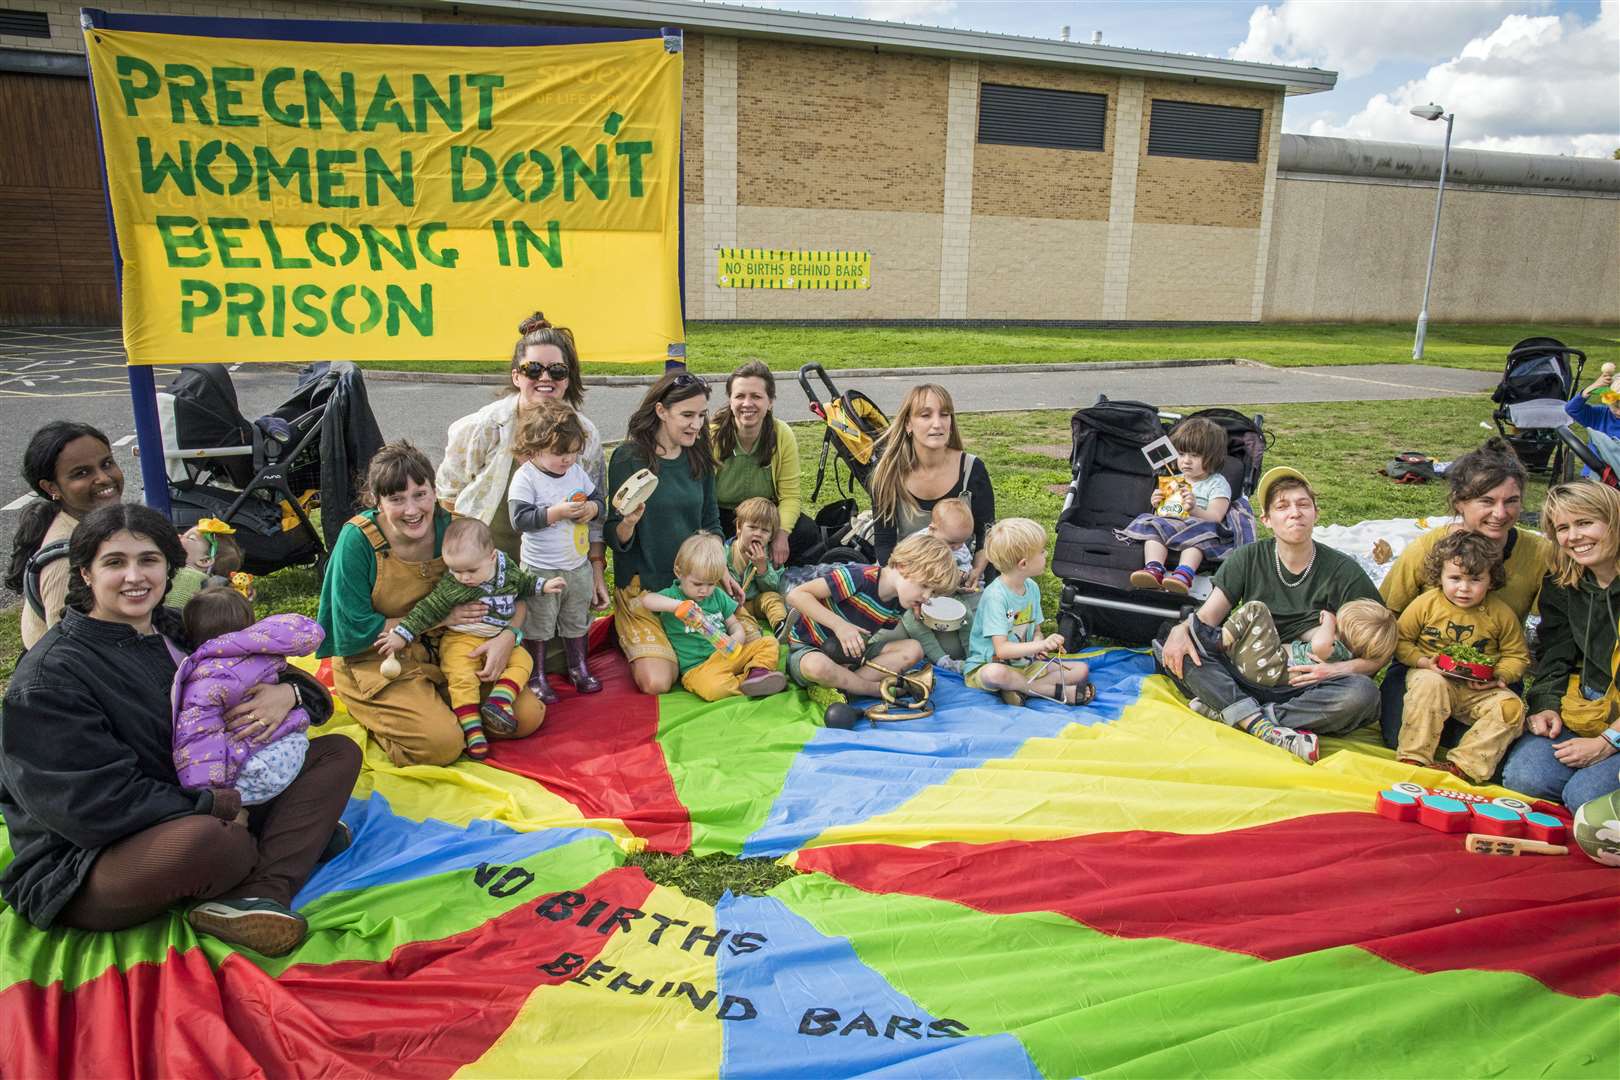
column 56, row 549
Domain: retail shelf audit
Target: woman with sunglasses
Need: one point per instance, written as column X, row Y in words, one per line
column 757, row 456
column 669, row 435
column 476, row 472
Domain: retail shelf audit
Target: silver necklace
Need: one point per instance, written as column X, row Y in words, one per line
column 1276, row 556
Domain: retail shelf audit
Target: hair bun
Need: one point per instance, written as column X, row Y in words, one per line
column 1496, row 444
column 534, row 322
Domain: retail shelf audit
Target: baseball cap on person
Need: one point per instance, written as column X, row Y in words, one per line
column 1268, row 480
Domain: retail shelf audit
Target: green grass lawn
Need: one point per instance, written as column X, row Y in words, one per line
column 720, row 347
column 1340, row 445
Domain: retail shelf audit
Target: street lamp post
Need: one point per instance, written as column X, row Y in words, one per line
column 1432, row 112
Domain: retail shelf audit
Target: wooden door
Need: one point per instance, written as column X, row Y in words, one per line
column 55, row 254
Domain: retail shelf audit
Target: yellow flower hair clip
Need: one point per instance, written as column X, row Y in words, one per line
column 213, row 528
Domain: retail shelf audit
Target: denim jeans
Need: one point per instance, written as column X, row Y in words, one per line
column 1335, row 707
column 1530, row 767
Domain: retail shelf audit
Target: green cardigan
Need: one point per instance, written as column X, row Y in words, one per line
column 678, row 507
column 784, row 473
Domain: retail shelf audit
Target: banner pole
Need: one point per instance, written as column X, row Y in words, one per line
column 142, row 384
column 149, row 438
column 675, row 41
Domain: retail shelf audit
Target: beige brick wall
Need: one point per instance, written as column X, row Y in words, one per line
column 1191, row 272
column 719, row 169
column 840, row 129
column 955, row 263
column 697, row 262
column 67, row 37
column 905, row 262
column 1034, row 181
column 692, row 116
column 1268, row 209
column 1359, row 252
column 1037, row 268
column 825, row 148
column 1191, row 191
column 1122, row 200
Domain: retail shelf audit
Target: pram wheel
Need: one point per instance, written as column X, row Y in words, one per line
column 843, row 555
column 1073, row 629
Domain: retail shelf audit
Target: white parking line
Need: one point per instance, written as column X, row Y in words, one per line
column 1436, row 390
column 125, row 441
column 17, row 504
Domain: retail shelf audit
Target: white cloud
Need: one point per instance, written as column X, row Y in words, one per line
column 1354, row 38
column 1533, row 84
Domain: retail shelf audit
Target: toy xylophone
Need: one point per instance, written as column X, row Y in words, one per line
column 1464, row 812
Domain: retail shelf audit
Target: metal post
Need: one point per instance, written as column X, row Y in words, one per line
column 149, row 438
column 1434, row 240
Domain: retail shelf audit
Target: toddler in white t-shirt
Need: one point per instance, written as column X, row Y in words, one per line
column 552, row 498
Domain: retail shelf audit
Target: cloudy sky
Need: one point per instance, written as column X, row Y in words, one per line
column 1538, row 76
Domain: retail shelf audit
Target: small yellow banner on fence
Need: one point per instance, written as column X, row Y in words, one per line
column 771, row 268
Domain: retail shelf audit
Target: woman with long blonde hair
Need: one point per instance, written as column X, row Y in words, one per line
column 920, row 462
column 1568, row 753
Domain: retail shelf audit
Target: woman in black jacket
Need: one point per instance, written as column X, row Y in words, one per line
column 103, row 835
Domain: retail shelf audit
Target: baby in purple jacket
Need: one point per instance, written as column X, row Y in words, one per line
column 236, row 655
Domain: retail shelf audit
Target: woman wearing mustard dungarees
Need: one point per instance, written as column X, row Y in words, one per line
column 385, row 560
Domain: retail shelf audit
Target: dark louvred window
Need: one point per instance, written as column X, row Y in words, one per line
column 1032, row 116
column 25, row 23
column 1215, row 132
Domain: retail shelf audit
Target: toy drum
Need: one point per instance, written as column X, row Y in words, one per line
column 944, row 613
column 634, row 491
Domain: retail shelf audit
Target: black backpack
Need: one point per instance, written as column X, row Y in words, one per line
column 56, row 549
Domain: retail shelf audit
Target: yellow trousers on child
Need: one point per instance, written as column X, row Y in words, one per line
column 461, row 668
column 721, row 676
column 761, row 615
column 1495, row 717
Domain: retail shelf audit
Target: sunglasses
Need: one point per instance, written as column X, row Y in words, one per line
column 533, row 370
column 681, row 382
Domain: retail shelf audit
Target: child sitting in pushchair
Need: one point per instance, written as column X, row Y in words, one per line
column 1192, row 521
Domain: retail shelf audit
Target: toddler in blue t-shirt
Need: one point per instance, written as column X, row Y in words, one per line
column 1006, row 636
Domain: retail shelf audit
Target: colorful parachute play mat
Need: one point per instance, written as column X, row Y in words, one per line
column 1121, row 890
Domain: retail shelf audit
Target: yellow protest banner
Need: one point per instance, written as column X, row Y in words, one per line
column 771, row 268
column 299, row 201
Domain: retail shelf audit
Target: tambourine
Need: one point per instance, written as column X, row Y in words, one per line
column 634, row 491
column 943, row 614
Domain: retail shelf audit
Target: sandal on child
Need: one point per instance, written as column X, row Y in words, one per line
column 1083, row 695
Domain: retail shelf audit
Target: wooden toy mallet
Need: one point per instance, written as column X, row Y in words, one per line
column 1482, row 844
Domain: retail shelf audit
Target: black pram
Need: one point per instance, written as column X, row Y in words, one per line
column 264, row 477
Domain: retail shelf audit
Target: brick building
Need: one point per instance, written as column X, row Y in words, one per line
column 990, row 177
